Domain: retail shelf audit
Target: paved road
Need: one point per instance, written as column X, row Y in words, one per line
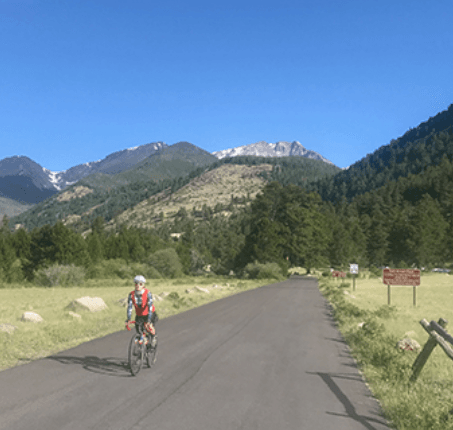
column 270, row 358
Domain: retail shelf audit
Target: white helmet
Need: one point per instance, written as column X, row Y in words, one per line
column 139, row 278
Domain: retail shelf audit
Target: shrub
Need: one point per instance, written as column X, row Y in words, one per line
column 60, row 275
column 118, row 268
column 263, row 271
column 166, row 262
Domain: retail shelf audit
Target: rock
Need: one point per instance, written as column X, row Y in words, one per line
column 408, row 344
column 202, row 290
column 122, row 302
column 7, row 328
column 92, row 304
column 31, row 317
column 74, row 315
column 360, row 325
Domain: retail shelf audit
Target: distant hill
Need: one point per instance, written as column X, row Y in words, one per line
column 11, row 208
column 412, row 153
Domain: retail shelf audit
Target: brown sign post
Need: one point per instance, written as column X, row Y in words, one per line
column 402, row 277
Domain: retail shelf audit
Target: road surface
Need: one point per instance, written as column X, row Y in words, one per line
column 269, row 358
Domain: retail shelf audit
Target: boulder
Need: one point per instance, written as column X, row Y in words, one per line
column 408, row 344
column 31, row 317
column 122, row 302
column 202, row 290
column 92, row 304
column 7, row 328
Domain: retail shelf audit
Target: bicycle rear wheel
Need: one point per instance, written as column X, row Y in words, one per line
column 135, row 355
column 151, row 353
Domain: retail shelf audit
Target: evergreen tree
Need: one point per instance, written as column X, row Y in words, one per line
column 428, row 230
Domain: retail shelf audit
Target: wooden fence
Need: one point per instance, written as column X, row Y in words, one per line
column 437, row 336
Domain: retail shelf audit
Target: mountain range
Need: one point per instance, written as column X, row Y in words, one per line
column 23, row 180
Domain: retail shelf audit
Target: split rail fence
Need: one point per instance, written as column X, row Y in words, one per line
column 437, row 336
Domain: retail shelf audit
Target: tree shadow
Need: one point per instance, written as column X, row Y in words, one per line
column 110, row 366
column 366, row 421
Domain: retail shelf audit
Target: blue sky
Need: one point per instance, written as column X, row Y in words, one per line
column 82, row 79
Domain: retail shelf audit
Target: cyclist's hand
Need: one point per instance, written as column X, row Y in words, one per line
column 127, row 323
column 149, row 327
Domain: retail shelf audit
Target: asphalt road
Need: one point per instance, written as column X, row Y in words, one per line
column 269, row 358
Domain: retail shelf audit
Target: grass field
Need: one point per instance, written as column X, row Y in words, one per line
column 421, row 405
column 61, row 331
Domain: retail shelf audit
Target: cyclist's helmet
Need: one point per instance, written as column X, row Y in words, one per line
column 139, row 278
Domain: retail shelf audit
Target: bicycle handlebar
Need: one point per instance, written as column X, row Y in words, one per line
column 128, row 325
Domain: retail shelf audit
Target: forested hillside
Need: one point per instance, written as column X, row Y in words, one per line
column 412, row 153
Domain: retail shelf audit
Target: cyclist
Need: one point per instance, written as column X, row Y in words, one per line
column 145, row 313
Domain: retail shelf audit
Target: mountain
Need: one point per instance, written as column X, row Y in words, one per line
column 108, row 195
column 24, row 180
column 114, row 163
column 264, row 149
column 413, row 153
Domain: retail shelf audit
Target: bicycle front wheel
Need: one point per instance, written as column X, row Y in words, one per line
column 135, row 355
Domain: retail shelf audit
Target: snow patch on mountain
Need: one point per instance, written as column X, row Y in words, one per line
column 265, row 149
column 54, row 178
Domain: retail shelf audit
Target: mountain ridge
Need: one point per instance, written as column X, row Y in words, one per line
column 264, row 149
column 24, row 180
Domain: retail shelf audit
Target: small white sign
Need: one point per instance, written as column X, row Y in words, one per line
column 354, row 268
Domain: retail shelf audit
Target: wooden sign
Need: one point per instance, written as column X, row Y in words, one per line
column 401, row 277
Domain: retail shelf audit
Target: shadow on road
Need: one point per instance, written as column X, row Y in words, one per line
column 107, row 366
column 351, row 412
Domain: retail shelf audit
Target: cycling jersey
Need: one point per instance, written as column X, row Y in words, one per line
column 143, row 303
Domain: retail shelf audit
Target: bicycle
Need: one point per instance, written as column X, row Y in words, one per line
column 140, row 348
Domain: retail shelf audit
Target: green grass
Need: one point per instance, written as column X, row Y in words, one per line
column 426, row 403
column 61, row 331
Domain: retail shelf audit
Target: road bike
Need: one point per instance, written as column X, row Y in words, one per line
column 141, row 347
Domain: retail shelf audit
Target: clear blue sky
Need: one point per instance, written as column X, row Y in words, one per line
column 81, row 79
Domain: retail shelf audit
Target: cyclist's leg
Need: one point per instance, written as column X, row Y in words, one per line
column 139, row 322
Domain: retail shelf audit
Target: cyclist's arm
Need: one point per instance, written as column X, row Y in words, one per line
column 150, row 306
column 129, row 307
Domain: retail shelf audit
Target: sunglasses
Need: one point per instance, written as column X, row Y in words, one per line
column 139, row 284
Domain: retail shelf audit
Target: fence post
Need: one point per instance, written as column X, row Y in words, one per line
column 422, row 358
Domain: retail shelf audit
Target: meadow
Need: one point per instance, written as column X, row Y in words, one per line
column 60, row 331
column 372, row 328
